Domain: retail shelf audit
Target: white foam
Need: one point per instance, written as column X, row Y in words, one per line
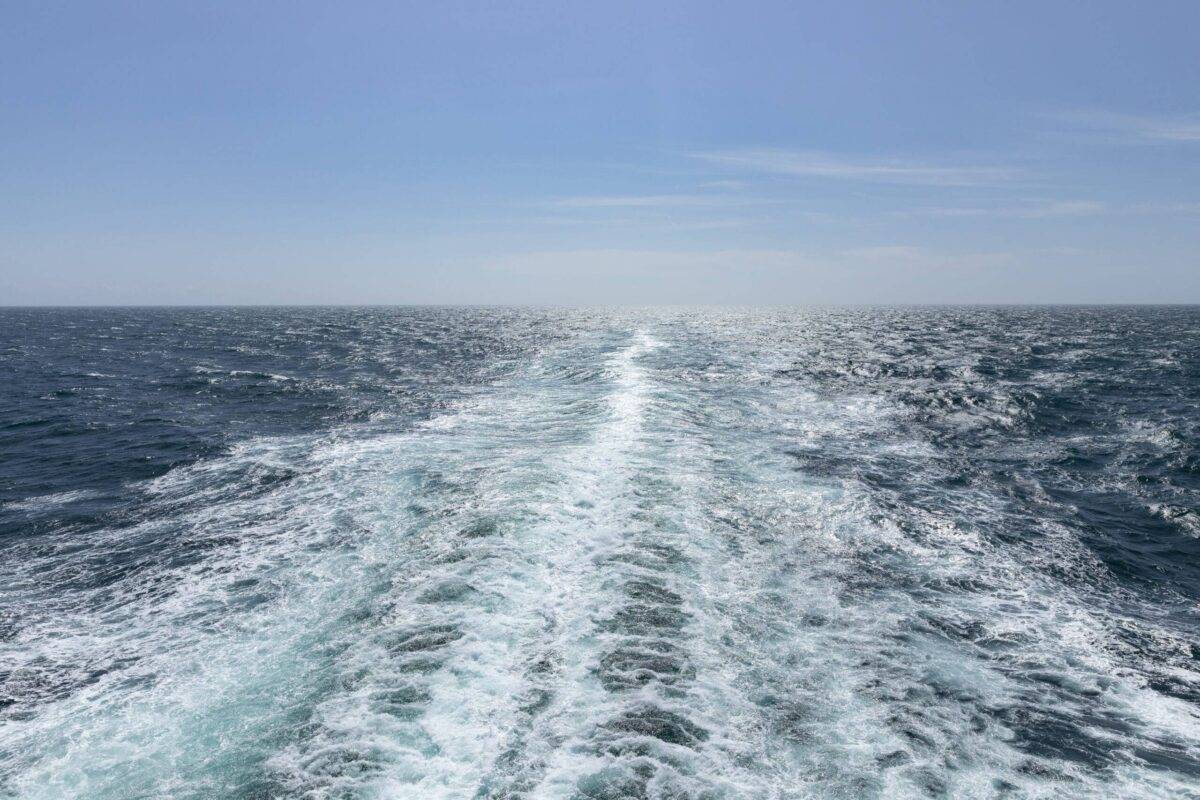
column 274, row 638
column 47, row 502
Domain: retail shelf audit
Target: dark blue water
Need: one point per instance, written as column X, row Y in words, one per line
column 322, row 553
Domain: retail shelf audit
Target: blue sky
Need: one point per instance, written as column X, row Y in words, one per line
column 599, row 152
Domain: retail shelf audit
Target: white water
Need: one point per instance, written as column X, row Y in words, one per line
column 602, row 578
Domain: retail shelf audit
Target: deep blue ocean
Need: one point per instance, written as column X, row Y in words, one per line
column 684, row 553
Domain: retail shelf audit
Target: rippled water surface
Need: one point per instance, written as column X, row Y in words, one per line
column 473, row 553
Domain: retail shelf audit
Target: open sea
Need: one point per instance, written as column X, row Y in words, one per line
column 258, row 553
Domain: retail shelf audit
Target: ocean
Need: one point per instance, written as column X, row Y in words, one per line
column 537, row 553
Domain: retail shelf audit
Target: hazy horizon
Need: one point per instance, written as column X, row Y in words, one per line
column 596, row 306
column 684, row 154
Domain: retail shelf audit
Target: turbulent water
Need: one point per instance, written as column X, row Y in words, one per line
column 472, row 553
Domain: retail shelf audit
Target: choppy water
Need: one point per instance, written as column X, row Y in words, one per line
column 469, row 553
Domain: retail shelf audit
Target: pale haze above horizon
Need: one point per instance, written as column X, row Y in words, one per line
column 614, row 153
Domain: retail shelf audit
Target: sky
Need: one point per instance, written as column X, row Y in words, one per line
column 599, row 153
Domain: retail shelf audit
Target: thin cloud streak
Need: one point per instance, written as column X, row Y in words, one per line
column 652, row 223
column 1136, row 128
column 825, row 165
column 620, row 261
column 652, row 201
column 1039, row 210
column 1053, row 210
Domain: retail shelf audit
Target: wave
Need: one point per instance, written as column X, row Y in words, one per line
column 655, row 559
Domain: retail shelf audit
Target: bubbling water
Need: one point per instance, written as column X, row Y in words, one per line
column 654, row 560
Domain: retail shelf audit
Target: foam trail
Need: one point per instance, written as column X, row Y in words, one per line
column 648, row 562
column 296, row 653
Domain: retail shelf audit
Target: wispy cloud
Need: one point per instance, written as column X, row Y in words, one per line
column 1052, row 209
column 616, row 261
column 912, row 257
column 1135, row 128
column 825, row 165
column 1171, row 208
column 620, row 261
column 1046, row 209
column 884, row 252
column 649, row 223
column 731, row 185
column 651, row 201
